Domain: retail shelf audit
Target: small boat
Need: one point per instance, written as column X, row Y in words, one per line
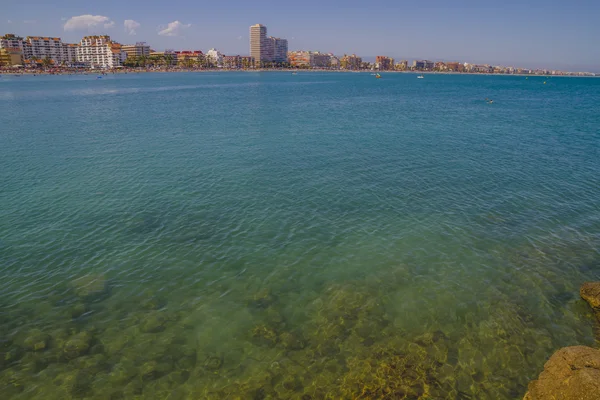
column 294, row 73
column 377, row 76
column 420, row 77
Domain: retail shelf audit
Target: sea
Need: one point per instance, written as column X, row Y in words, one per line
column 263, row 235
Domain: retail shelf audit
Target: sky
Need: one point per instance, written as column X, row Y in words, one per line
column 527, row 33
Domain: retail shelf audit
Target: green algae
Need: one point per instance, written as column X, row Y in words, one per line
column 349, row 340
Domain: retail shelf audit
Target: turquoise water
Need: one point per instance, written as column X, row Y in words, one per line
column 269, row 236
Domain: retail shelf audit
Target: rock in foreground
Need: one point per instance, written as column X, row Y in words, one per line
column 590, row 292
column 571, row 373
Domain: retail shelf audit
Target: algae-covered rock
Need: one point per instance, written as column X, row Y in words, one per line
column 571, row 373
column 77, row 345
column 122, row 372
column 262, row 299
column 213, row 363
column 9, row 354
column 90, row 286
column 12, row 382
column 264, row 335
column 36, row 340
column 292, row 341
column 75, row 383
column 590, row 292
column 154, row 322
column 152, row 370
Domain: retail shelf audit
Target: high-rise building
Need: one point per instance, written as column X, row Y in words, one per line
column 136, row 50
column 265, row 49
column 100, row 52
column 260, row 46
column 280, row 50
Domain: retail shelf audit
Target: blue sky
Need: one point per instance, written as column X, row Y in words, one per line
column 530, row 33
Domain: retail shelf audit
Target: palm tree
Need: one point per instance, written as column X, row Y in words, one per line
column 142, row 60
column 168, row 60
column 189, row 63
column 46, row 62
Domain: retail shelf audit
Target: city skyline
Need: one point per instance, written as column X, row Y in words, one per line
column 551, row 36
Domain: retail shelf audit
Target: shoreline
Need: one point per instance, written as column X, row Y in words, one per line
column 223, row 70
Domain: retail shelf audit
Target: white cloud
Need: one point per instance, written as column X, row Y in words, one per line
column 239, row 38
column 131, row 26
column 88, row 21
column 9, row 21
column 64, row 18
column 174, row 28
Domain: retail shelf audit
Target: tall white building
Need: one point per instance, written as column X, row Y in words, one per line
column 265, row 48
column 100, row 52
column 259, row 44
column 215, row 56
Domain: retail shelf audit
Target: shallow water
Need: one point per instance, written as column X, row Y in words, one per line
column 269, row 236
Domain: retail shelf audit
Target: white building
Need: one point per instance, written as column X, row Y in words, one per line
column 41, row 47
column 215, row 56
column 100, row 52
column 11, row 41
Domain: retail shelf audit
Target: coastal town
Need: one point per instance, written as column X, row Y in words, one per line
column 44, row 54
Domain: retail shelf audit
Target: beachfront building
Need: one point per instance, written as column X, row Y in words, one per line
column 401, row 66
column 300, row 59
column 259, row 44
column 11, row 41
column 10, row 56
column 423, row 65
column 189, row 58
column 140, row 49
column 280, row 50
column 266, row 49
column 384, row 63
column 100, row 52
column 42, row 47
column 351, row 62
column 455, row 67
column 309, row 59
column 215, row 57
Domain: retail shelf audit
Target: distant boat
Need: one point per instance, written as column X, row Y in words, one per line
column 294, row 73
column 377, row 76
column 420, row 77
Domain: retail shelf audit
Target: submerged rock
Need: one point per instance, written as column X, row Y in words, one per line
column 77, row 345
column 571, row 373
column 590, row 292
column 36, row 340
column 90, row 286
